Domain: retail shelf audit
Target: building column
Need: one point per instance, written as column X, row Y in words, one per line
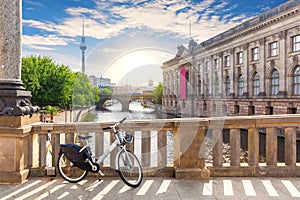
column 14, row 99
column 262, row 68
column 16, row 113
column 245, row 70
column 282, row 68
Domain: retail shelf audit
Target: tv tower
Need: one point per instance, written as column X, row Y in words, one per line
column 83, row 47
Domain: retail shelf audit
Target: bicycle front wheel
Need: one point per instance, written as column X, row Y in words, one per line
column 69, row 171
column 129, row 168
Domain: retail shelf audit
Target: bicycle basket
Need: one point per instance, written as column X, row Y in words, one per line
column 128, row 138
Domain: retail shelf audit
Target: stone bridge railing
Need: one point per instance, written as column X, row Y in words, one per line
column 181, row 147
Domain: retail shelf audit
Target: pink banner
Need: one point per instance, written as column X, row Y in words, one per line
column 183, row 83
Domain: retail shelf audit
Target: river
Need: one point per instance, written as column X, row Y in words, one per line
column 137, row 112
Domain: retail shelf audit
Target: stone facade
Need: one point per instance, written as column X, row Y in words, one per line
column 251, row 69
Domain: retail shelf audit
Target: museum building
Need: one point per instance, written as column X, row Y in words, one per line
column 250, row 69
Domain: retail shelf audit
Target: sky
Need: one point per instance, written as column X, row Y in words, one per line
column 127, row 40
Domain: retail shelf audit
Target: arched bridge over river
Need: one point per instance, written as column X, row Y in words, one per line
column 125, row 99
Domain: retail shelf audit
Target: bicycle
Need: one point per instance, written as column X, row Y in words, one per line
column 75, row 161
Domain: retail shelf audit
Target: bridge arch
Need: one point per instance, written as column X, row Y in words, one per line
column 125, row 100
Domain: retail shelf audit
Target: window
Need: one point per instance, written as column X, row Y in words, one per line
column 199, row 87
column 255, row 54
column 207, row 66
column 217, row 87
column 297, row 81
column 275, row 82
column 274, row 49
column 256, row 84
column 216, row 67
column 207, row 87
column 296, row 43
column 227, row 61
column 241, row 86
column 240, row 58
column 227, row 86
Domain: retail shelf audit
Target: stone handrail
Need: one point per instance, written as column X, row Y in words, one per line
column 186, row 140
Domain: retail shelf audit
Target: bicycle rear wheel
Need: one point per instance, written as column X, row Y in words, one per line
column 69, row 171
column 129, row 168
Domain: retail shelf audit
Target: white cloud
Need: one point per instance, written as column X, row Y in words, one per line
column 37, row 47
column 50, row 27
column 108, row 20
column 51, row 40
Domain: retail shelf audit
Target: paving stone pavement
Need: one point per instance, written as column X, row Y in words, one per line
column 155, row 188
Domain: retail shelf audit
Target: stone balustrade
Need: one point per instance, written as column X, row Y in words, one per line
column 177, row 147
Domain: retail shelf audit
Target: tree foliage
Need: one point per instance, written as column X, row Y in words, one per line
column 158, row 91
column 53, row 84
column 105, row 91
column 84, row 94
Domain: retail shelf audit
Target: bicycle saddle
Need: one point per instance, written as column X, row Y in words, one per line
column 83, row 137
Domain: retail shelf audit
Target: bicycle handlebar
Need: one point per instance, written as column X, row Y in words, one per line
column 111, row 127
column 121, row 122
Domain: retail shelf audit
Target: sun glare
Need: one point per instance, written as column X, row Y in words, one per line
column 133, row 60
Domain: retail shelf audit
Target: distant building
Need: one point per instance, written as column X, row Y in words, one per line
column 104, row 82
column 93, row 80
column 251, row 69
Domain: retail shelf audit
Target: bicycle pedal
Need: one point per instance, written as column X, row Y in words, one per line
column 101, row 173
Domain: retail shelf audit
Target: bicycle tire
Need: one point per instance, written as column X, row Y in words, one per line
column 68, row 171
column 130, row 175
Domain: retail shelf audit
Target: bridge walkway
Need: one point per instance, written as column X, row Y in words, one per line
column 155, row 188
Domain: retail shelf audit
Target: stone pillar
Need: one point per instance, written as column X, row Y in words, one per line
column 16, row 113
column 188, row 139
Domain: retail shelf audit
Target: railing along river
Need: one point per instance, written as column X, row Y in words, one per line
column 188, row 148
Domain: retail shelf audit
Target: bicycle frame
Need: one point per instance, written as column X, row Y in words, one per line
column 107, row 152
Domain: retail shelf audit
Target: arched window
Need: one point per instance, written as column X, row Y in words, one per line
column 275, row 82
column 241, row 86
column 256, row 84
column 227, row 86
column 297, row 81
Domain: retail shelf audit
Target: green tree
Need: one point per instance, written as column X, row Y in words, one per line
column 52, row 110
column 84, row 94
column 49, row 83
column 56, row 85
column 105, row 91
column 158, row 91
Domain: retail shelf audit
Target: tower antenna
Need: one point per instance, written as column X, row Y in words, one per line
column 83, row 47
column 190, row 31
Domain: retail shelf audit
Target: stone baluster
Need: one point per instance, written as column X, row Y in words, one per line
column 55, row 142
column 114, row 152
column 271, row 146
column 235, row 147
column 253, row 146
column 99, row 144
column 146, row 148
column 290, row 146
column 69, row 138
column 217, row 147
column 43, row 150
column 162, row 148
